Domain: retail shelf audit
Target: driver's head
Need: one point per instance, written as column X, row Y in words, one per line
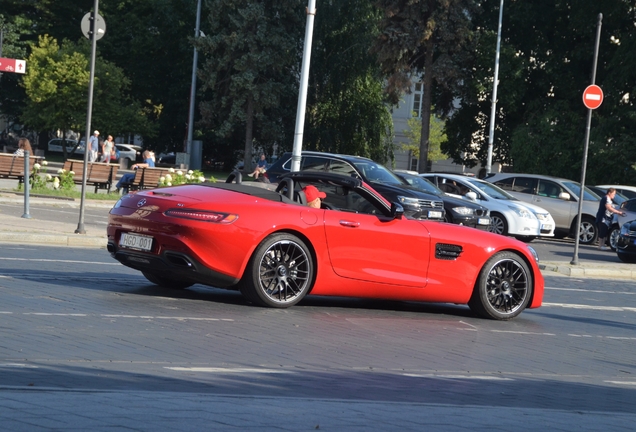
column 313, row 196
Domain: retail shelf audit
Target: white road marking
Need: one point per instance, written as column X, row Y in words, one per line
column 522, row 332
column 177, row 318
column 17, row 365
column 628, row 383
column 229, row 370
column 60, row 261
column 464, row 377
column 591, row 307
column 590, row 291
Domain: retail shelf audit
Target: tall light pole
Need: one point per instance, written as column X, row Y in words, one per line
column 302, row 94
column 491, row 134
column 193, row 86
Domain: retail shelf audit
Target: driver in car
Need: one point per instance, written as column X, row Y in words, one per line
column 314, row 196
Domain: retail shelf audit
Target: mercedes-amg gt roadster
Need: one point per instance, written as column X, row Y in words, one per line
column 265, row 241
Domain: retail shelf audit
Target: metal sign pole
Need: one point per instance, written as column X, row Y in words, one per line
column 575, row 257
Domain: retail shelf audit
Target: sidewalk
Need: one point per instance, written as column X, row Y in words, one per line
column 16, row 229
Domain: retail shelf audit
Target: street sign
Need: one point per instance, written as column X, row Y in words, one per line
column 100, row 26
column 592, row 96
column 12, row 65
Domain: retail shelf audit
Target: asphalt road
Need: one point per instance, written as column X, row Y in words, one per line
column 89, row 343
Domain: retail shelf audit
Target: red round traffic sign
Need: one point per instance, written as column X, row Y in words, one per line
column 592, row 96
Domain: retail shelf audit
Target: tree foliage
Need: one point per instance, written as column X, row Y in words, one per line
column 546, row 62
column 436, row 138
column 250, row 64
column 430, row 38
column 57, row 84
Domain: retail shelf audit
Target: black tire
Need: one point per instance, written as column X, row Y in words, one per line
column 504, row 287
column 280, row 272
column 166, row 282
column 525, row 239
column 629, row 259
column 614, row 233
column 588, row 232
column 498, row 224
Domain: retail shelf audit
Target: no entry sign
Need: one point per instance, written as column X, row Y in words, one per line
column 592, row 97
column 12, row 65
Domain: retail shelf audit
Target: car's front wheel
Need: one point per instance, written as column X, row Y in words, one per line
column 614, row 234
column 504, row 287
column 280, row 272
column 498, row 224
column 589, row 231
column 166, row 282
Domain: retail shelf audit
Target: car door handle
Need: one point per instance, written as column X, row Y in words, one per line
column 349, row 224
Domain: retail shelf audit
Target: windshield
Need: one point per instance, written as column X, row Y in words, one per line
column 491, row 190
column 421, row 183
column 576, row 190
column 374, row 172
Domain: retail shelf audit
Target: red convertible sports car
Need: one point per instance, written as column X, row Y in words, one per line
column 276, row 250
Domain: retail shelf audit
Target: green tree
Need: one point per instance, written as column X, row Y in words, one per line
column 436, row 138
column 347, row 111
column 56, row 86
column 546, row 61
column 429, row 39
column 250, row 64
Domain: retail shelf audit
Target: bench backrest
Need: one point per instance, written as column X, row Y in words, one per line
column 13, row 166
column 151, row 176
column 96, row 172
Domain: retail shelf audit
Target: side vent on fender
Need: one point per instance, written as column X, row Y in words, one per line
column 447, row 251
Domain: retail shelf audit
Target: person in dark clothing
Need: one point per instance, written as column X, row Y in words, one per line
column 604, row 216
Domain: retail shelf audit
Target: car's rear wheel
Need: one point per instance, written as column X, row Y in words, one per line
column 498, row 224
column 504, row 287
column 588, row 232
column 166, row 282
column 614, row 234
column 280, row 272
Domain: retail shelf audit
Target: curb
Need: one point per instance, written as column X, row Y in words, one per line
column 76, row 240
column 619, row 271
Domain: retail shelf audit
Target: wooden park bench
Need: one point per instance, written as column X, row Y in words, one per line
column 98, row 174
column 12, row 166
column 147, row 178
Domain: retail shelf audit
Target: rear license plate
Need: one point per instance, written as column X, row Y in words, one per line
column 432, row 214
column 483, row 221
column 135, row 241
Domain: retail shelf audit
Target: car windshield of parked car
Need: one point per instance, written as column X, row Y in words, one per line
column 422, row 184
column 576, row 189
column 491, row 190
column 374, row 172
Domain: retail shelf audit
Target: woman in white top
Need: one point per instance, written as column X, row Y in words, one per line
column 23, row 145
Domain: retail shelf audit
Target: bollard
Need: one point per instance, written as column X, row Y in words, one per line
column 26, row 182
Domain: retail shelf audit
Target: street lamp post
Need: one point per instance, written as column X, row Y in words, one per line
column 193, row 87
column 302, row 94
column 493, row 110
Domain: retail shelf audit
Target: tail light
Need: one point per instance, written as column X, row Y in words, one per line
column 202, row 215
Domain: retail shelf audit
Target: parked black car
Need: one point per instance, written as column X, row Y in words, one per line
column 417, row 204
column 458, row 211
column 626, row 242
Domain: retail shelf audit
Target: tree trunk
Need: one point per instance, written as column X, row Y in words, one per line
column 249, row 126
column 426, row 107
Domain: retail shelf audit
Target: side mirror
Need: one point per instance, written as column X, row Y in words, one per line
column 564, row 196
column 397, row 211
column 471, row 196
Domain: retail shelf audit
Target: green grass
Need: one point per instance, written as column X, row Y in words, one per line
column 74, row 194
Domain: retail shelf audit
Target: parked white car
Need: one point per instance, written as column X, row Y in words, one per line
column 55, row 145
column 559, row 196
column 628, row 191
column 129, row 151
column 508, row 215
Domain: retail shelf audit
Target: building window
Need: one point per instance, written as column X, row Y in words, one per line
column 418, row 94
column 413, row 164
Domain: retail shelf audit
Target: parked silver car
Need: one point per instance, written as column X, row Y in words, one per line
column 557, row 195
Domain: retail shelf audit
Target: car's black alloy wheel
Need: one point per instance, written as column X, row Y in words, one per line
column 280, row 272
column 504, row 287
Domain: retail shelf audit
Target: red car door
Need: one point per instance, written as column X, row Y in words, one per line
column 372, row 248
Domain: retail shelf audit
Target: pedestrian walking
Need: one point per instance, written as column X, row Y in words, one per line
column 604, row 216
column 107, row 149
column 93, row 146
